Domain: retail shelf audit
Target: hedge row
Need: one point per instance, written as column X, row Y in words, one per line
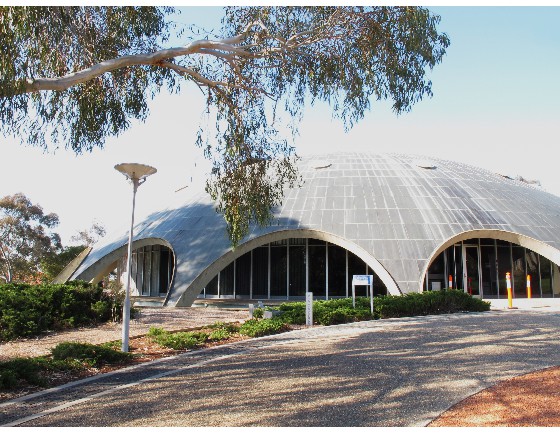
column 336, row 311
column 27, row 310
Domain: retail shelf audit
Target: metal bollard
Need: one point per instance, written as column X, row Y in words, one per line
column 508, row 285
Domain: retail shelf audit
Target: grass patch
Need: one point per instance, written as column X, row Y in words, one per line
column 90, row 354
column 262, row 327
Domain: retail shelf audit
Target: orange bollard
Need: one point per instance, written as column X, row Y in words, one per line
column 450, row 282
column 508, row 285
column 529, row 287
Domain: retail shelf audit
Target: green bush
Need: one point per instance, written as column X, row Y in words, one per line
column 33, row 371
column 90, row 354
column 178, row 340
column 19, row 369
column 258, row 313
column 229, row 327
column 219, row 335
column 336, row 311
column 262, row 327
column 27, row 310
column 421, row 304
column 331, row 312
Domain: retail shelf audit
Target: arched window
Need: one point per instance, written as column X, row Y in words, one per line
column 288, row 268
column 479, row 266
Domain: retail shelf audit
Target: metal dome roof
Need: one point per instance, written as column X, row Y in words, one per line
column 393, row 212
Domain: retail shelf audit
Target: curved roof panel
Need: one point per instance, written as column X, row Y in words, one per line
column 397, row 209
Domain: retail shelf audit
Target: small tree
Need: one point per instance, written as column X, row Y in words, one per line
column 24, row 238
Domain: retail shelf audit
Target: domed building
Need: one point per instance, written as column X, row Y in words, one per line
column 413, row 224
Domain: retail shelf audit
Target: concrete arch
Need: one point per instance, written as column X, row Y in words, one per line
column 540, row 247
column 104, row 265
column 188, row 297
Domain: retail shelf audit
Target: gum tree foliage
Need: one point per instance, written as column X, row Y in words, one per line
column 89, row 237
column 80, row 74
column 25, row 238
column 53, row 264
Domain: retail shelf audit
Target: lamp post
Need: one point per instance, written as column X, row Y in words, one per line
column 137, row 174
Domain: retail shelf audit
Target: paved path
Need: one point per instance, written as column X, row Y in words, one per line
column 398, row 372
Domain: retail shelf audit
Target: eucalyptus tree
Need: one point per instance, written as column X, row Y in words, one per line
column 80, row 74
column 26, row 238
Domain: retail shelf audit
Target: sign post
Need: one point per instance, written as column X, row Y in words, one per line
column 309, row 308
column 362, row 280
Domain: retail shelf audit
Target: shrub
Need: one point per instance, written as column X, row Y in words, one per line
column 91, row 354
column 8, row 379
column 331, row 312
column 421, row 304
column 11, row 372
column 219, row 334
column 262, row 327
column 258, row 313
column 229, row 327
column 27, row 310
column 178, row 340
column 33, row 371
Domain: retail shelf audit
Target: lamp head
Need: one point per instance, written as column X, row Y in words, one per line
column 135, row 171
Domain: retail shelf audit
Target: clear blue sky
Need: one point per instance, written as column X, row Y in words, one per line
column 496, row 104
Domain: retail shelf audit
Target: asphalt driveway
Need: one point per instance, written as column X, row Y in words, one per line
column 398, row 372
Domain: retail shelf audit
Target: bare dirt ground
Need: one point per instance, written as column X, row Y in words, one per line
column 170, row 319
column 530, row 400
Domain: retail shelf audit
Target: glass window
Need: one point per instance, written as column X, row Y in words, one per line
column 212, row 287
column 297, row 269
column 317, row 270
column 519, row 277
column 488, row 263
column 546, row 278
column 154, row 286
column 260, row 272
column 165, row 274
column 436, row 274
column 147, row 271
column 556, row 281
column 356, row 266
column 140, row 271
column 317, row 242
column 226, row 280
column 297, row 241
column 532, row 263
column 337, row 271
column 504, row 265
column 472, row 270
column 457, row 267
column 243, row 275
column 278, row 270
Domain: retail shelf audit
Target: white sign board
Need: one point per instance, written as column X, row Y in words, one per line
column 309, row 308
column 362, row 280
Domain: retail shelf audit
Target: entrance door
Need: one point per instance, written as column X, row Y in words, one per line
column 471, row 269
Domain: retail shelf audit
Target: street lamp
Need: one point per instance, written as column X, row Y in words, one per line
column 137, row 174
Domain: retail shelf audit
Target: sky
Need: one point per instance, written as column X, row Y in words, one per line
column 496, row 105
